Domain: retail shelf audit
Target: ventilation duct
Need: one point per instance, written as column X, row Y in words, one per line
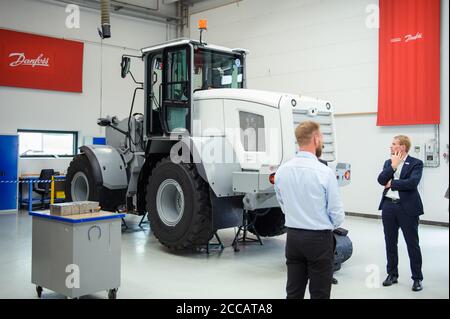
column 105, row 32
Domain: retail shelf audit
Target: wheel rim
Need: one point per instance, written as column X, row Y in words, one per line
column 170, row 202
column 79, row 187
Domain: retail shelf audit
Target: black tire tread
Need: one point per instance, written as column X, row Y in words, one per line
column 201, row 231
column 78, row 161
column 108, row 200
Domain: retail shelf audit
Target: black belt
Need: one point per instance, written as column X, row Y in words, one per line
column 393, row 201
column 311, row 230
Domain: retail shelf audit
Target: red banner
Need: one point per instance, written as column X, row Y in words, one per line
column 409, row 66
column 38, row 62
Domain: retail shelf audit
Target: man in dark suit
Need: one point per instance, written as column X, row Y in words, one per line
column 401, row 207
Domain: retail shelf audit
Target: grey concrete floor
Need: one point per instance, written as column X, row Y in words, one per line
column 150, row 271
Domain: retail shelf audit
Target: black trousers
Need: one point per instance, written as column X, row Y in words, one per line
column 394, row 218
column 309, row 257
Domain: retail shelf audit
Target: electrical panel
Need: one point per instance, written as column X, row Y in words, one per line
column 431, row 154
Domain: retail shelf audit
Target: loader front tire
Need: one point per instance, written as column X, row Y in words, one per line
column 178, row 205
column 82, row 184
column 80, row 181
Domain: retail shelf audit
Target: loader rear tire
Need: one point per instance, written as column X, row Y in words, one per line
column 343, row 250
column 267, row 223
column 178, row 205
column 81, row 184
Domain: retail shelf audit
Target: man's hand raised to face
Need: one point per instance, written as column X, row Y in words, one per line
column 396, row 159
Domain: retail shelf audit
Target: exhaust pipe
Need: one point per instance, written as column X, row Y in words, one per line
column 105, row 32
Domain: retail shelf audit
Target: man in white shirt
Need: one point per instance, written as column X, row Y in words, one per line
column 308, row 194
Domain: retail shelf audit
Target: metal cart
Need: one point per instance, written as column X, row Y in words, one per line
column 76, row 255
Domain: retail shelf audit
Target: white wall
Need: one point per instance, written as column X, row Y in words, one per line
column 104, row 91
column 324, row 49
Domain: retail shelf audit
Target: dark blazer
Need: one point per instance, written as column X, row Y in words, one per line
column 406, row 185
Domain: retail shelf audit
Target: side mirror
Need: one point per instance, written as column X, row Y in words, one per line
column 104, row 121
column 125, row 66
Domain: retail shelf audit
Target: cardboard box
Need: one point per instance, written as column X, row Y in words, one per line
column 74, row 208
column 63, row 209
column 88, row 207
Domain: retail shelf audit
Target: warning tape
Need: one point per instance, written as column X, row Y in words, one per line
column 31, row 181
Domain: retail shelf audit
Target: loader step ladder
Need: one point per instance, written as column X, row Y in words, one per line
column 244, row 229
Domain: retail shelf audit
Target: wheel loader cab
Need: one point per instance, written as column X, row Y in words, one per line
column 174, row 72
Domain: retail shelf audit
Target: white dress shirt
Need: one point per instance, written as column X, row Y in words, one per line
column 308, row 193
column 394, row 194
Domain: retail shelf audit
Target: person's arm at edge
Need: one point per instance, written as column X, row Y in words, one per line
column 277, row 190
column 335, row 208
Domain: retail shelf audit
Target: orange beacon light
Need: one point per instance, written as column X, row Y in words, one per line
column 203, row 24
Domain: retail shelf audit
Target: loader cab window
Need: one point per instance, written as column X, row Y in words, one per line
column 154, row 65
column 176, row 89
column 156, row 79
column 216, row 70
column 177, row 76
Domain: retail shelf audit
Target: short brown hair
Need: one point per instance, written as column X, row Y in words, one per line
column 305, row 131
column 404, row 140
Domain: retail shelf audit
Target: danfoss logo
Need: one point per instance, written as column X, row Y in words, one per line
column 21, row 59
column 407, row 38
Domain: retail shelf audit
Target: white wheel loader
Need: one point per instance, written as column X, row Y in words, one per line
column 203, row 155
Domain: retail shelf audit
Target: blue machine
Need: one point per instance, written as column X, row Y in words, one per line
column 9, row 162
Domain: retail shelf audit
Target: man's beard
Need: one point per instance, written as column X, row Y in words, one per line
column 319, row 150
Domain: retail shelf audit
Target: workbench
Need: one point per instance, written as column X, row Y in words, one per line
column 56, row 188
